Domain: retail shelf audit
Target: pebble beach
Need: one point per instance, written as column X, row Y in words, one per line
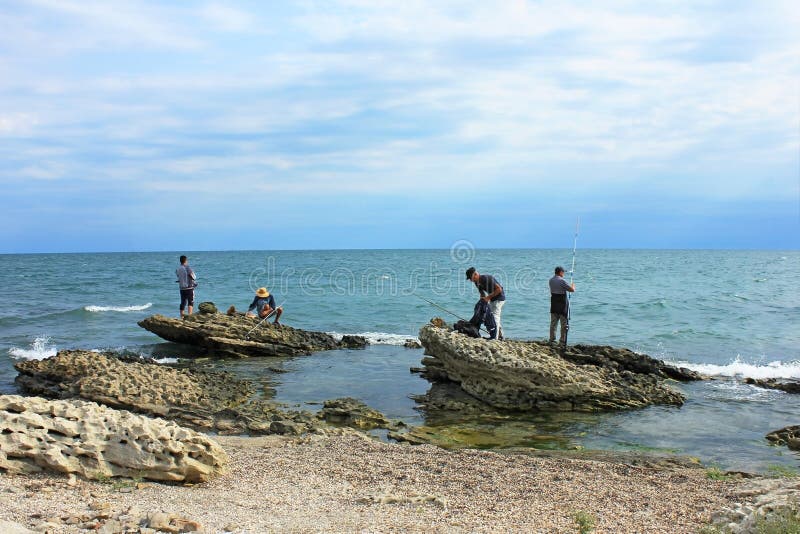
column 350, row 482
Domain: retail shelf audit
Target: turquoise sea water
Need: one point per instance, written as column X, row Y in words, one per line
column 725, row 313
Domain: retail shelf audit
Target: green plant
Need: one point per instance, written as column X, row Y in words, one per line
column 783, row 521
column 584, row 520
column 715, row 473
column 711, row 529
column 782, row 471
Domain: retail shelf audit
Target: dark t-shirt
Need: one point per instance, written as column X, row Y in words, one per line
column 559, row 303
column 487, row 284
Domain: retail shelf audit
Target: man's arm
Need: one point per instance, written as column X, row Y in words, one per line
column 253, row 304
column 567, row 286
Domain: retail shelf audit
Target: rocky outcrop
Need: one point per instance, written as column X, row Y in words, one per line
column 96, row 441
column 789, row 436
column 203, row 400
column 761, row 505
column 519, row 375
column 238, row 336
column 784, row 384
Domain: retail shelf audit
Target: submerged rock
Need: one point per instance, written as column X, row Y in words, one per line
column 521, row 376
column 239, row 336
column 354, row 413
column 74, row 436
column 784, row 384
column 789, row 436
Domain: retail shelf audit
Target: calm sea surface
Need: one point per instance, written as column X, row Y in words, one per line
column 725, row 313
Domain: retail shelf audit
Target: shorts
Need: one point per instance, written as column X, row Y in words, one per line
column 187, row 297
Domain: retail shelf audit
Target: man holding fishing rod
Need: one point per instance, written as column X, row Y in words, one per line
column 559, row 305
column 265, row 304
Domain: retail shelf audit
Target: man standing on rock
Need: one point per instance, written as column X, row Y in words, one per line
column 187, row 283
column 492, row 292
column 559, row 305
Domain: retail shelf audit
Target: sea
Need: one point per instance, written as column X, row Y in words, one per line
column 729, row 314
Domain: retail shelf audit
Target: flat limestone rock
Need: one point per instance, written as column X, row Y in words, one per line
column 522, row 376
column 236, row 335
column 74, row 436
column 203, row 400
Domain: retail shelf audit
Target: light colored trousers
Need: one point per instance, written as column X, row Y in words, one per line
column 497, row 310
column 554, row 320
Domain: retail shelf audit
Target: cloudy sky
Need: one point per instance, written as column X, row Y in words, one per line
column 136, row 125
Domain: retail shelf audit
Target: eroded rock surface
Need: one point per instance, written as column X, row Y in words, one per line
column 74, row 436
column 519, row 375
column 236, row 335
column 203, row 400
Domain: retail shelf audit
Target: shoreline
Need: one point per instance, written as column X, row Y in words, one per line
column 347, row 481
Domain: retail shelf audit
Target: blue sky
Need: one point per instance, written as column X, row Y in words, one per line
column 371, row 124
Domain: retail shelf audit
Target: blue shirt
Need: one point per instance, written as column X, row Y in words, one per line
column 260, row 302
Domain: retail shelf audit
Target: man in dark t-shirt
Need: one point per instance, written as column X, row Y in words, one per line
column 492, row 292
column 559, row 304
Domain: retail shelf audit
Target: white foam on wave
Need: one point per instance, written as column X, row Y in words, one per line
column 378, row 338
column 117, row 308
column 40, row 349
column 739, row 368
column 163, row 361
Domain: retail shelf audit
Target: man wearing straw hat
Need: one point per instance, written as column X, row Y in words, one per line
column 265, row 305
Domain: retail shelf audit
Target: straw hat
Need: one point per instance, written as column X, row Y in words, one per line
column 262, row 292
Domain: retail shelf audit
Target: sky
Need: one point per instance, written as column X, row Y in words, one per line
column 273, row 125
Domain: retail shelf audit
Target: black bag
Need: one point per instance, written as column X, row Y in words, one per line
column 482, row 315
column 467, row 328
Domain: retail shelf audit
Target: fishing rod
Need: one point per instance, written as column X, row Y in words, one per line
column 571, row 278
column 446, row 310
column 247, row 335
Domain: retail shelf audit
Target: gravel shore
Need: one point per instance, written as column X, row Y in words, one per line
column 352, row 483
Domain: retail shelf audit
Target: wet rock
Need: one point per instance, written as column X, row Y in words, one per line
column 354, row 413
column 237, row 335
column 789, row 436
column 73, row 436
column 202, row 400
column 412, row 344
column 520, row 376
column 784, row 384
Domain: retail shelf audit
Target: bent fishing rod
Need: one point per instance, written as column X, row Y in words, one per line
column 247, row 335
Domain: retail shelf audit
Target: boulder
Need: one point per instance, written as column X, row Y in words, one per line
column 789, row 436
column 74, row 436
column 237, row 335
column 522, row 375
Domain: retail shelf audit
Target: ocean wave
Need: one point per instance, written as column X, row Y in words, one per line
column 40, row 349
column 379, row 338
column 739, row 368
column 117, row 308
